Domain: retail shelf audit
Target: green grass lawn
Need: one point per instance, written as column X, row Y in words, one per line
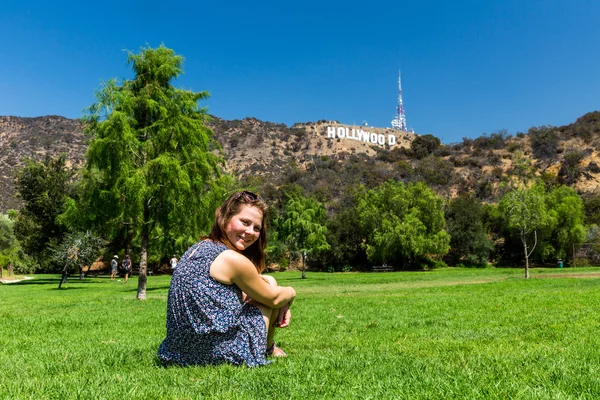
column 442, row 334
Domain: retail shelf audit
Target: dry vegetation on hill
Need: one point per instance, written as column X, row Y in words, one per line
column 22, row 138
column 271, row 153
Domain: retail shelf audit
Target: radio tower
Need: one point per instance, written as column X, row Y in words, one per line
column 399, row 122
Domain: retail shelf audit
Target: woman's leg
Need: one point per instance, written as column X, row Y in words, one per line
column 270, row 317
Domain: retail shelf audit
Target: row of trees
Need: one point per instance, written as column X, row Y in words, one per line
column 153, row 178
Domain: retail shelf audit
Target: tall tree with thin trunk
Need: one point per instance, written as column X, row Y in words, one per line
column 151, row 163
column 303, row 227
column 524, row 211
column 522, row 206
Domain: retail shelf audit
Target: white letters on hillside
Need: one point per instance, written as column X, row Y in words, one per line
column 360, row 135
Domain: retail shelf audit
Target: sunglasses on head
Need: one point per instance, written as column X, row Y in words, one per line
column 249, row 196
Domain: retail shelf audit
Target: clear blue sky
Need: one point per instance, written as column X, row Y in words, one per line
column 468, row 67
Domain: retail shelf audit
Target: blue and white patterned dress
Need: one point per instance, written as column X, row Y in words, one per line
column 207, row 322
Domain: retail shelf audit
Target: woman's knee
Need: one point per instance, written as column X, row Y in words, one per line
column 269, row 279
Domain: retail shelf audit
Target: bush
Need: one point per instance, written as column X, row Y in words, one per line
column 435, row 171
column 514, row 146
column 442, row 151
column 494, row 141
column 544, row 142
column 570, row 170
column 424, row 145
column 430, row 263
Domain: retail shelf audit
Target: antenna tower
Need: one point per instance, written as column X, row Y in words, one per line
column 399, row 122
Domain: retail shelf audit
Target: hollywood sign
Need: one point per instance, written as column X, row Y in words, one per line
column 360, row 135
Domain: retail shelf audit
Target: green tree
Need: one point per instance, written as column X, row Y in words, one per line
column 151, row 162
column 44, row 187
column 303, row 227
column 524, row 213
column 469, row 243
column 591, row 205
column 402, row 223
column 565, row 222
column 9, row 245
column 77, row 250
column 346, row 238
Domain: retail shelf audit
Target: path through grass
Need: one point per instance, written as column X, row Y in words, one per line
column 449, row 333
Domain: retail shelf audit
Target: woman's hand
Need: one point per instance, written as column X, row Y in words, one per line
column 284, row 317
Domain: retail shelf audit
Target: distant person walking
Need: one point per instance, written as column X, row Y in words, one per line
column 127, row 267
column 114, row 265
column 173, row 262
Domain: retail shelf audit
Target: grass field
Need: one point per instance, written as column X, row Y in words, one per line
column 442, row 334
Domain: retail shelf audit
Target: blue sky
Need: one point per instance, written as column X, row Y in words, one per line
column 468, row 67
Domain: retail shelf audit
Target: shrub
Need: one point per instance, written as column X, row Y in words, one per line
column 570, row 170
column 435, row 171
column 544, row 141
column 514, row 146
column 424, row 145
column 442, row 151
column 494, row 141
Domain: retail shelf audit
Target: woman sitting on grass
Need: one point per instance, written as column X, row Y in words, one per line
column 220, row 308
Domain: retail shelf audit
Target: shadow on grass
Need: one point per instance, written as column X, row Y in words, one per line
column 42, row 281
column 54, row 281
column 307, row 279
column 134, row 288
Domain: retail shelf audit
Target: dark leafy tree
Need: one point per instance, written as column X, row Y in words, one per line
column 44, row 187
column 346, row 237
column 469, row 243
column 591, row 206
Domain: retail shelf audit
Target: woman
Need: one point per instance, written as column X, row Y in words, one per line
column 220, row 309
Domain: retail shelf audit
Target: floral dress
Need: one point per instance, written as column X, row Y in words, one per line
column 207, row 322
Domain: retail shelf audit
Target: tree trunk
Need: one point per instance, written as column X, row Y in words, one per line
column 88, row 270
column 303, row 265
column 142, row 278
column 524, row 239
column 63, row 278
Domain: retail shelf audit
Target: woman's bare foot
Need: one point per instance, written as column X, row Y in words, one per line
column 275, row 351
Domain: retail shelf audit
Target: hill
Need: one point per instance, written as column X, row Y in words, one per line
column 325, row 157
column 23, row 138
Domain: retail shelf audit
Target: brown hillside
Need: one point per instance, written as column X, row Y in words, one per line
column 256, row 148
column 22, row 138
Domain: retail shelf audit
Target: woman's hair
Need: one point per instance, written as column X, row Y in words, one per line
column 231, row 207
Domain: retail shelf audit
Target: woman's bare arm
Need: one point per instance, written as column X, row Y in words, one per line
column 233, row 268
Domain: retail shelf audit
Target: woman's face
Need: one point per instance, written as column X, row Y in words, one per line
column 243, row 228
